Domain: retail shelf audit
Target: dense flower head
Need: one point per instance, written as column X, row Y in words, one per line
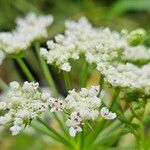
column 34, row 26
column 22, row 104
column 83, row 106
column 138, row 53
column 107, row 114
column 13, row 42
column 85, row 102
column 28, row 29
column 76, row 40
column 127, row 75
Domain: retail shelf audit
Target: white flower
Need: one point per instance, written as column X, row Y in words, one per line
column 28, row 29
column 66, row 67
column 94, row 90
column 14, row 85
column 50, row 44
column 24, row 104
column 18, row 121
column 30, row 86
column 45, row 95
column 5, row 119
column 74, row 122
column 107, row 114
column 84, row 92
column 23, row 114
column 43, row 52
column 83, row 105
column 73, row 131
column 59, row 38
column 3, row 105
column 56, row 104
column 15, row 129
column 85, row 102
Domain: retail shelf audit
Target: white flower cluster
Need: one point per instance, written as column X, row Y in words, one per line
column 22, row 104
column 56, row 104
column 138, row 53
column 33, row 26
column 127, row 75
column 28, row 29
column 2, row 56
column 81, row 37
column 59, row 53
column 84, row 106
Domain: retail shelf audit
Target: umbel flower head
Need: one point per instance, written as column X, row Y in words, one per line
column 28, row 29
column 76, row 40
column 22, row 105
column 110, row 51
column 84, row 106
column 34, row 26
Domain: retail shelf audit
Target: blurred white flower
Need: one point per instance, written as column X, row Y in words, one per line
column 107, row 114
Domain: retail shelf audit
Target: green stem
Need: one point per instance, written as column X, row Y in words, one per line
column 101, row 82
column 62, row 139
column 84, row 74
column 97, row 129
column 25, row 69
column 66, row 79
column 115, row 99
column 46, row 132
column 32, row 58
column 61, row 124
column 142, row 132
column 46, row 71
column 3, row 85
column 82, row 139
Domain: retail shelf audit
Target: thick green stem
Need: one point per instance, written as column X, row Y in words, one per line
column 84, row 74
column 66, row 79
column 25, row 69
column 3, row 85
column 46, row 71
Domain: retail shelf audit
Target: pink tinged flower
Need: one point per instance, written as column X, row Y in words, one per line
column 107, row 114
column 56, row 104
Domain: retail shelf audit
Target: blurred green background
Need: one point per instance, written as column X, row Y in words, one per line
column 116, row 14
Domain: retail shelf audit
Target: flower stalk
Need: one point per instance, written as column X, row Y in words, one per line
column 46, row 71
column 66, row 80
column 25, row 69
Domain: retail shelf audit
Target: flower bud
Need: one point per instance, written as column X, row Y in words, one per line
column 136, row 37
